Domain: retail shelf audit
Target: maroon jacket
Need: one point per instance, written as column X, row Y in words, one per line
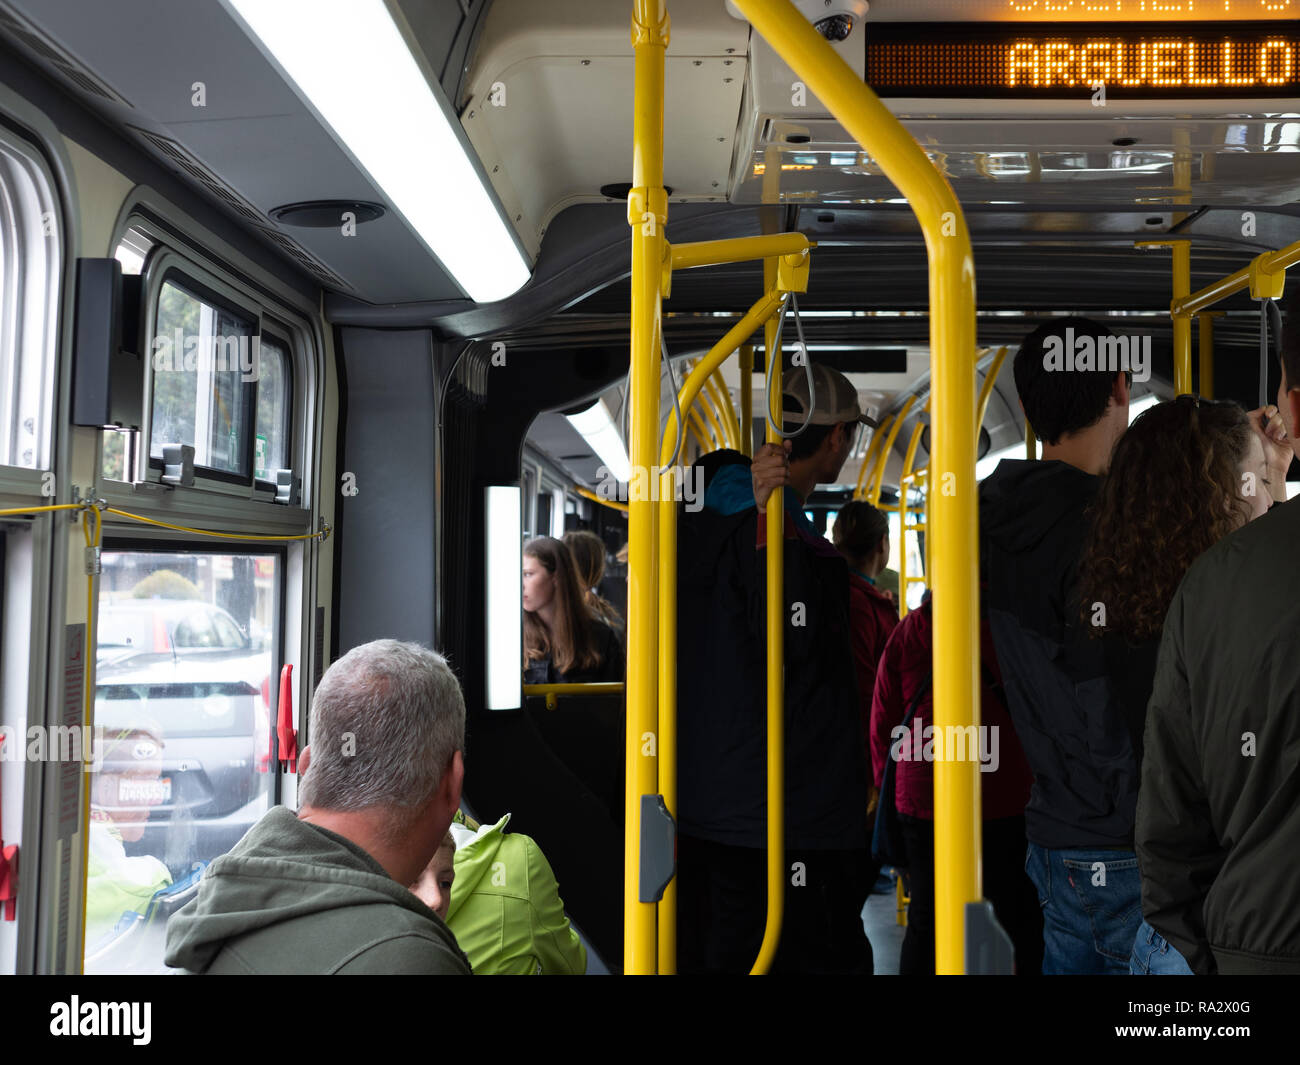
column 904, row 668
column 872, row 617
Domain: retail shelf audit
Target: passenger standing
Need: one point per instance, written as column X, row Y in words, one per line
column 563, row 642
column 905, row 679
column 1032, row 524
column 1187, row 473
column 588, row 552
column 722, row 710
column 1218, row 820
column 861, row 535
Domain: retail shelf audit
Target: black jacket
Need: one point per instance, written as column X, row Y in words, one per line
column 1073, row 732
column 721, row 690
column 611, row 668
column 1218, row 820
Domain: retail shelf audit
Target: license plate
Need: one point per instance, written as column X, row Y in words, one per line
column 132, row 792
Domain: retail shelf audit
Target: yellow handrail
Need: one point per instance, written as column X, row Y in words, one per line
column 953, row 510
column 867, row 468
column 702, row 434
column 704, row 403
column 1205, row 344
column 699, row 375
column 1267, row 264
column 908, row 459
column 718, row 404
column 737, row 250
column 986, row 390
column 553, row 691
column 747, row 399
column 587, row 493
column 882, row 459
column 647, row 215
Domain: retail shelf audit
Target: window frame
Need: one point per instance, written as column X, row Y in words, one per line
column 286, row 414
column 181, row 279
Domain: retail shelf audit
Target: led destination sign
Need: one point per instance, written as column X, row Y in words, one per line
column 1034, row 61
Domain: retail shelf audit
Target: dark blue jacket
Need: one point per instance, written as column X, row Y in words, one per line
column 1074, row 733
column 722, row 677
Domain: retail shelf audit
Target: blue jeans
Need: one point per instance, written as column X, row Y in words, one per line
column 1153, row 955
column 1092, row 908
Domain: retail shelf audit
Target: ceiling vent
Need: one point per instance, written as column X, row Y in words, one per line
column 182, row 160
column 47, row 51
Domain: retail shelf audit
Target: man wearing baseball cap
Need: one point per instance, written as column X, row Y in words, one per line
column 722, row 710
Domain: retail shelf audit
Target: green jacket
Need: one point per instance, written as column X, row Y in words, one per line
column 506, row 909
column 293, row 898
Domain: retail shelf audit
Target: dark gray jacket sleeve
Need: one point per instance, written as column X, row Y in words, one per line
column 1178, row 849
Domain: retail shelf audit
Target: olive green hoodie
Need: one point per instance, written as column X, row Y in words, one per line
column 294, row 898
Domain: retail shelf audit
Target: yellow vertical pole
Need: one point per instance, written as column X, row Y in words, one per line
column 1205, row 343
column 1031, row 442
column 718, row 403
column 882, row 459
column 775, row 563
column 702, row 434
column 867, row 470
column 747, row 399
column 1182, row 323
column 647, row 209
column 951, row 502
column 726, row 407
column 666, row 909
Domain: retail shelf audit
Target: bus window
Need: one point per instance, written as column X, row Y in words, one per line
column 271, row 451
column 202, row 368
column 186, row 657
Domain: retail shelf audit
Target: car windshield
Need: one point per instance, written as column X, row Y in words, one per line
column 182, row 710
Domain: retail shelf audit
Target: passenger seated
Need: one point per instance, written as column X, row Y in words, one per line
column 434, row 886
column 122, row 792
column 1218, row 821
column 1187, row 473
column 563, row 642
column 588, row 553
column 503, row 904
column 324, row 891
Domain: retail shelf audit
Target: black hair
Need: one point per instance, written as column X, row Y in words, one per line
column 858, row 528
column 1057, row 402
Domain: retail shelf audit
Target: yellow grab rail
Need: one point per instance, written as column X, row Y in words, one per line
column 1262, row 267
column 903, row 483
column 553, row 691
column 647, row 215
column 747, row 399
column 587, row 493
column 1205, row 344
column 719, row 404
column 700, row 374
column 866, row 471
column 737, row 250
column 952, row 507
column 882, row 459
column 986, row 390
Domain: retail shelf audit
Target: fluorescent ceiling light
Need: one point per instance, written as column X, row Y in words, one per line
column 602, row 435
column 349, row 60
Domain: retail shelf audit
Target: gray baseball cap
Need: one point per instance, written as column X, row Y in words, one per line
column 834, row 397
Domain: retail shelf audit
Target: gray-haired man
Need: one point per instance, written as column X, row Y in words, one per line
column 325, row 890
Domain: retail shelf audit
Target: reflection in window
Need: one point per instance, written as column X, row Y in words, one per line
column 271, row 447
column 185, row 668
column 202, row 362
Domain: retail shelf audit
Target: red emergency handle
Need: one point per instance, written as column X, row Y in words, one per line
column 285, row 732
column 9, row 880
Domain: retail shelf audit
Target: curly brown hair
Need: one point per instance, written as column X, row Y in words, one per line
column 1173, row 490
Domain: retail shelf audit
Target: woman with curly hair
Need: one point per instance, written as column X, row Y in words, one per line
column 1187, row 473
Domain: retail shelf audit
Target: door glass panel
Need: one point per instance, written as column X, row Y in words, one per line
column 183, row 695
